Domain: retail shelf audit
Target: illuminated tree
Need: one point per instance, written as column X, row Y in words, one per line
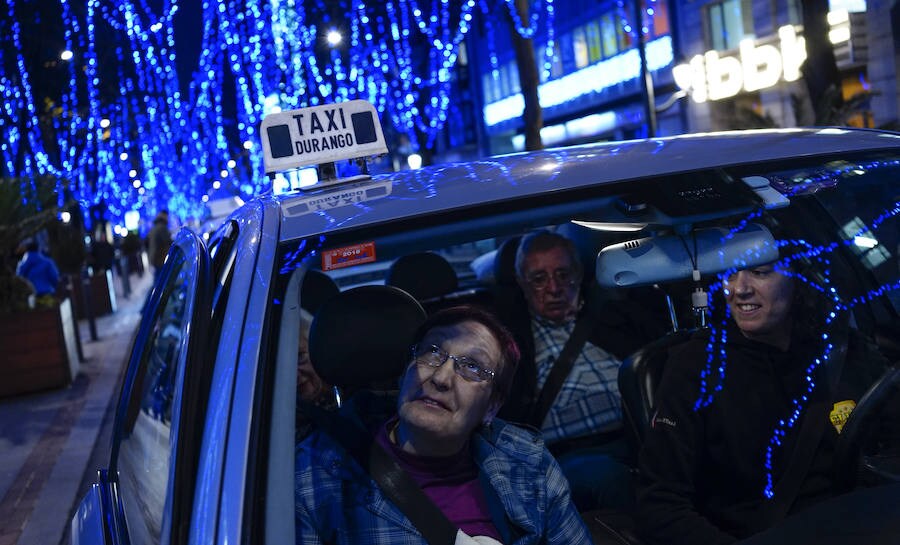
column 126, row 133
column 529, row 79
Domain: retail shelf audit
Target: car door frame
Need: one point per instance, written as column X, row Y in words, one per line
column 102, row 510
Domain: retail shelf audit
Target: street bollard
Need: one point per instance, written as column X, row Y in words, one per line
column 86, row 299
column 125, row 274
column 70, row 288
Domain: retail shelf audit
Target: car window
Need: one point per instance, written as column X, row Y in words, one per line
column 844, row 218
column 849, row 209
column 863, row 210
column 146, row 440
column 223, row 252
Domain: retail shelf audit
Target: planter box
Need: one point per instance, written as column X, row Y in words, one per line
column 136, row 263
column 38, row 350
column 102, row 292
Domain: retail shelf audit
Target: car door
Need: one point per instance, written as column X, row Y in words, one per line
column 146, row 494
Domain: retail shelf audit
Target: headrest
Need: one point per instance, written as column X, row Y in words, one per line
column 317, row 288
column 363, row 335
column 587, row 243
column 424, row 275
column 505, row 262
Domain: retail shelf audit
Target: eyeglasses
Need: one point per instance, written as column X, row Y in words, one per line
column 464, row 366
column 563, row 277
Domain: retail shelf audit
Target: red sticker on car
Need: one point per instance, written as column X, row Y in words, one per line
column 348, row 256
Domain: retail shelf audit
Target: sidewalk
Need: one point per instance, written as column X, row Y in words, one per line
column 47, row 438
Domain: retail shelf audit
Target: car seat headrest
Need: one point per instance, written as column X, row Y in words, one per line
column 424, row 275
column 317, row 288
column 362, row 336
column 505, row 262
column 587, row 243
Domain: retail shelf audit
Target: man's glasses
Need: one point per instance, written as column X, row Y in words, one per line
column 464, row 366
column 564, row 278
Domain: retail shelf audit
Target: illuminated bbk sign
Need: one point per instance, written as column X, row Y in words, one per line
column 321, row 134
column 757, row 65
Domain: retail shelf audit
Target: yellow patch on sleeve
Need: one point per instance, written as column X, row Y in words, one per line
column 840, row 413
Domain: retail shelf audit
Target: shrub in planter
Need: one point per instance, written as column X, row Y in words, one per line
column 14, row 293
column 39, row 344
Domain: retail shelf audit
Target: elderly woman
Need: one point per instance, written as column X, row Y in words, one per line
column 711, row 472
column 495, row 482
column 310, row 386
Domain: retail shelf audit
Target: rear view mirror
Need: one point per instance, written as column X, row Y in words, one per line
column 670, row 257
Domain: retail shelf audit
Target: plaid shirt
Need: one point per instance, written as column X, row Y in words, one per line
column 337, row 503
column 588, row 401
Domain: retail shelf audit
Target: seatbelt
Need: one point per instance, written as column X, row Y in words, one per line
column 809, row 436
column 561, row 369
column 393, row 480
column 509, row 532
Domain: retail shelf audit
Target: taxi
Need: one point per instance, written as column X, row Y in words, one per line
column 204, row 436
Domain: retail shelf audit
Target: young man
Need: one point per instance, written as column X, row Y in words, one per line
column 711, row 469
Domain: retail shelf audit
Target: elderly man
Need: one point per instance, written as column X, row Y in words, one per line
column 493, row 481
column 567, row 383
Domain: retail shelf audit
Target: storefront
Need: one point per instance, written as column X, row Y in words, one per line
column 743, row 61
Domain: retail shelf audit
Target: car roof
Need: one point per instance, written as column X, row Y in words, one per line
column 452, row 186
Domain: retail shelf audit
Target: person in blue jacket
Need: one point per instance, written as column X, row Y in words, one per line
column 497, row 483
column 38, row 269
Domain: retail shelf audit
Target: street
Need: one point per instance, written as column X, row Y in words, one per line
column 52, row 441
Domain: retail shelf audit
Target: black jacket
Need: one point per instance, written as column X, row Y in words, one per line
column 702, row 472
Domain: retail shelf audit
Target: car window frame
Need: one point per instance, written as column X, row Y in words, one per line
column 188, row 404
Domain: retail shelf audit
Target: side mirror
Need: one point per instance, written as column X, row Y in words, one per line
column 671, row 257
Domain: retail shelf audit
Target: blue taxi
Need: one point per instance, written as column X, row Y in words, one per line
column 204, row 439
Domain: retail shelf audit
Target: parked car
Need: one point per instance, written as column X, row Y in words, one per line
column 204, row 438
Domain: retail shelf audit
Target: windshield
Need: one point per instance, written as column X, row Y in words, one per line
column 834, row 225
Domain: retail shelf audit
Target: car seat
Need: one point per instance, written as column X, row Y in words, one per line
column 509, row 301
column 317, row 288
column 511, row 308
column 424, row 275
column 371, row 324
column 639, row 379
column 505, row 262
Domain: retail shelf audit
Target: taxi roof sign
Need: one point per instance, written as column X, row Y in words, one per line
column 321, row 134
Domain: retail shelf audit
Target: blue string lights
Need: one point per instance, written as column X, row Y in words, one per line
column 530, row 30
column 186, row 140
column 161, row 147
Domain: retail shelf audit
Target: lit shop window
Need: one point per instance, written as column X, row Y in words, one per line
column 657, row 11
column 624, row 21
column 556, row 66
column 608, row 32
column 726, row 24
column 595, row 50
column 580, row 46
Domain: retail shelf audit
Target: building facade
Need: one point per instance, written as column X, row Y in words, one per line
column 589, row 67
column 742, row 66
column 715, row 65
